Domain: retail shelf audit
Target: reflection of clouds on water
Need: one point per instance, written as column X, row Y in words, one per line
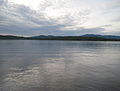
column 60, row 66
column 37, row 75
column 18, row 80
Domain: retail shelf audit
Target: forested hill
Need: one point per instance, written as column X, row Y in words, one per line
column 87, row 37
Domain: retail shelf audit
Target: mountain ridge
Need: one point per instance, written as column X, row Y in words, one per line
column 91, row 37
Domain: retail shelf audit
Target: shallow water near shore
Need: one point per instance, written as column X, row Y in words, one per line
column 49, row 65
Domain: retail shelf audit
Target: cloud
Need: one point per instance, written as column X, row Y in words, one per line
column 116, row 19
column 15, row 17
column 56, row 17
column 108, row 25
column 114, row 4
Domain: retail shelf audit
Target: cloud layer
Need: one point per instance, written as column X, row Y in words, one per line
column 59, row 17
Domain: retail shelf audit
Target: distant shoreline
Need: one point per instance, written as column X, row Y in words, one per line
column 64, row 39
column 87, row 37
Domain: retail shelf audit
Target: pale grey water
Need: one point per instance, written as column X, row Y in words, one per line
column 41, row 65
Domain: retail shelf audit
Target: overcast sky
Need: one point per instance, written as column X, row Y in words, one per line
column 59, row 17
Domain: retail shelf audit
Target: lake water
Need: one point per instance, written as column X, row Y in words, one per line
column 42, row 65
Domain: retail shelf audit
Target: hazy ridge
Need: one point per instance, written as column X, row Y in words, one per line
column 86, row 37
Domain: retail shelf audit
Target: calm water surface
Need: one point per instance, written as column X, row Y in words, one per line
column 39, row 65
